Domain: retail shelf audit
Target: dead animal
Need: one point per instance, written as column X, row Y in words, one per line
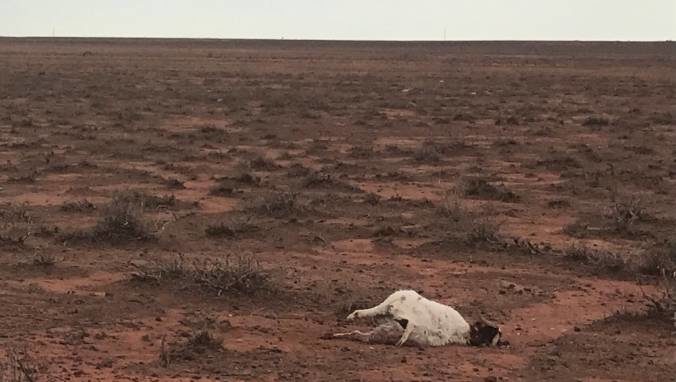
column 411, row 319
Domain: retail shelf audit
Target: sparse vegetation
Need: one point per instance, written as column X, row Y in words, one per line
column 481, row 188
column 18, row 366
column 483, row 231
column 664, row 118
column 78, row 206
column 25, row 178
column 144, row 200
column 233, row 274
column 559, row 162
column 428, row 152
column 16, row 225
column 263, row 164
column 44, row 260
column 224, row 188
column 661, row 259
column 279, row 206
column 386, row 231
column 576, row 229
column 663, row 305
column 624, row 214
column 174, row 184
column 372, row 199
column 231, row 228
column 197, row 345
column 558, row 204
column 298, row 170
column 596, row 120
column 121, row 222
column 602, row 260
column 245, row 177
column 230, row 186
column 318, row 180
column 330, row 162
column 468, row 226
column 451, row 207
column 622, row 218
column 362, row 152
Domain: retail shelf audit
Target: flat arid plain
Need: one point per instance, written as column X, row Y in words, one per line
column 180, row 210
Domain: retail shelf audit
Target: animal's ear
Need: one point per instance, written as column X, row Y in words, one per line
column 496, row 338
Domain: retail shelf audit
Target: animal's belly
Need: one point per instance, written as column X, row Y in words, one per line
column 425, row 336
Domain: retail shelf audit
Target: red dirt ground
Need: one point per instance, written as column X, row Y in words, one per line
column 363, row 156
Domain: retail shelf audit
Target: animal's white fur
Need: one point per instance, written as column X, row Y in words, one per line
column 429, row 323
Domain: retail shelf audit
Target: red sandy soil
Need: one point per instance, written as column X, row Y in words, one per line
column 372, row 146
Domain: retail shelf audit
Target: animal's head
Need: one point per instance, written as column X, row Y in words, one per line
column 485, row 333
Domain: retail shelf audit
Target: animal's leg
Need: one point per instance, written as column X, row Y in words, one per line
column 407, row 332
column 387, row 333
column 355, row 335
column 372, row 312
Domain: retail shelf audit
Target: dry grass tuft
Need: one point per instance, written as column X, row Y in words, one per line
column 624, row 214
column 234, row 274
column 16, row 225
column 663, row 305
column 484, row 231
column 144, row 200
column 451, row 207
column 78, row 206
column 199, row 344
column 284, row 205
column 467, row 225
column 603, row 260
column 18, row 366
column 596, row 120
column 122, row 222
column 44, row 261
column 231, row 228
column 481, row 188
column 263, row 164
column 428, row 152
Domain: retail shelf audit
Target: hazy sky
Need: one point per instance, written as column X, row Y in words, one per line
column 345, row 19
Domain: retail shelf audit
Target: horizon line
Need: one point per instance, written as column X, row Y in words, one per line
column 324, row 39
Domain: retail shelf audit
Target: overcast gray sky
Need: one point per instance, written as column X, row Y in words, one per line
column 345, row 19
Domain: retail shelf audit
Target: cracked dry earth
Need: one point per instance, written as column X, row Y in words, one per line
column 487, row 176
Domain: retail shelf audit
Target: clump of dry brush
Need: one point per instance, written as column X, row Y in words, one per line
column 232, row 274
column 18, row 366
column 122, row 221
column 623, row 214
column 473, row 229
column 16, row 225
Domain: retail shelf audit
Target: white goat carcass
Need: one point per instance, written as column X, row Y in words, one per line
column 415, row 320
